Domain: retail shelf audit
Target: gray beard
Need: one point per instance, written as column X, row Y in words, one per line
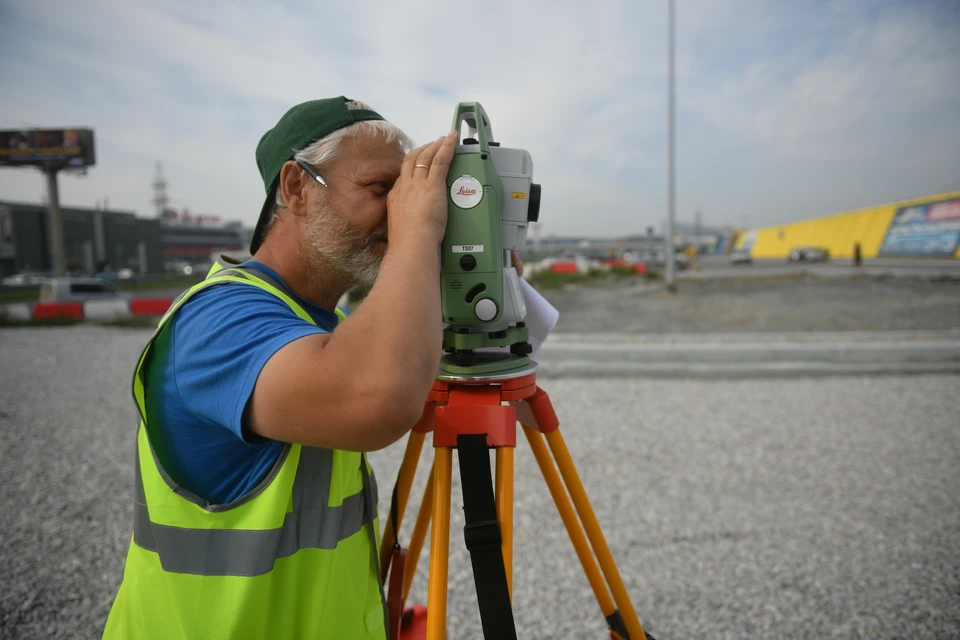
column 334, row 243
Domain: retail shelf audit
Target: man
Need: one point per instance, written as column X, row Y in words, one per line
column 255, row 510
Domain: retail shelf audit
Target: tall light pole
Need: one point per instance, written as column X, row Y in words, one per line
column 671, row 266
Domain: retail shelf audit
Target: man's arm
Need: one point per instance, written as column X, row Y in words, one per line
column 363, row 387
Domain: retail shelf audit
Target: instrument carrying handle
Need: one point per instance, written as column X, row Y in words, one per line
column 467, row 112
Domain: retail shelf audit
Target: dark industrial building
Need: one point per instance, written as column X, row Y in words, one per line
column 94, row 240
column 195, row 238
column 99, row 240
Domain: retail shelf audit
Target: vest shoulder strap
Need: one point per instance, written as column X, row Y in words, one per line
column 226, row 265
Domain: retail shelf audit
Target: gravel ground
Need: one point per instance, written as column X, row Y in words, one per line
column 795, row 303
column 796, row 509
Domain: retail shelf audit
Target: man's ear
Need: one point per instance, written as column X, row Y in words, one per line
column 291, row 186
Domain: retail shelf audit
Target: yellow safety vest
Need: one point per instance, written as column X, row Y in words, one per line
column 294, row 558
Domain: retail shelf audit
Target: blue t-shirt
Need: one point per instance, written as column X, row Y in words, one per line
column 205, row 364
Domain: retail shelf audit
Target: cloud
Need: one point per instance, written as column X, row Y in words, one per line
column 784, row 109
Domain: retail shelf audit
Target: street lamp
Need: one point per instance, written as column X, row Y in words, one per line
column 671, row 265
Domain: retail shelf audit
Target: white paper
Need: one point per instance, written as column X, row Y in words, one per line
column 541, row 316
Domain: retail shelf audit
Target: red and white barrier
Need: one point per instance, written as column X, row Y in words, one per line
column 149, row 306
column 54, row 310
column 109, row 309
column 18, row 312
column 97, row 310
column 564, row 267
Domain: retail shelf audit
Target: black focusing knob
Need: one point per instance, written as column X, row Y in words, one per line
column 533, row 208
column 468, row 262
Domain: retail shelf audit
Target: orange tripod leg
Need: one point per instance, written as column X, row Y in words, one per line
column 504, row 500
column 579, row 495
column 418, row 536
column 569, row 517
column 439, row 545
column 408, row 468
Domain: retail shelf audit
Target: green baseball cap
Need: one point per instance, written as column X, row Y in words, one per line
column 299, row 127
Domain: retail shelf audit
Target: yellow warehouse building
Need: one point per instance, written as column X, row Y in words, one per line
column 839, row 232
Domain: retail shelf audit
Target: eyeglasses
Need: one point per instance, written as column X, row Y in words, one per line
column 313, row 172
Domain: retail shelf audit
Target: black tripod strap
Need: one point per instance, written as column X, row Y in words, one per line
column 482, row 535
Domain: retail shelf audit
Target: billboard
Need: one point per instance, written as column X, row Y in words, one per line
column 47, row 148
column 931, row 229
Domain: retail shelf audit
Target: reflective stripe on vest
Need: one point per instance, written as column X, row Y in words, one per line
column 231, row 552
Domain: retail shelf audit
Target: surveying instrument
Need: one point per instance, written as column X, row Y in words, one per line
column 476, row 401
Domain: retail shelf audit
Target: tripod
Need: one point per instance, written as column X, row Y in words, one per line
column 472, row 406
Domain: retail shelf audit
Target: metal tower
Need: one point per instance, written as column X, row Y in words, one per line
column 160, row 198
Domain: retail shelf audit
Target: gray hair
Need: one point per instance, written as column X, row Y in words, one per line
column 321, row 153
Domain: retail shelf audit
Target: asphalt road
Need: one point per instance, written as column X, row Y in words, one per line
column 749, row 355
column 720, row 266
column 771, row 508
column 778, row 303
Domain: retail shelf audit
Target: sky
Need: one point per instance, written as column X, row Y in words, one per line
column 785, row 110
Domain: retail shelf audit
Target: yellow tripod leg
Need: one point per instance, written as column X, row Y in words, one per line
column 418, row 537
column 504, row 500
column 579, row 495
column 569, row 517
column 439, row 545
column 408, row 469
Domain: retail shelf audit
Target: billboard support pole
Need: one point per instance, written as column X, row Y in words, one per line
column 50, row 150
column 58, row 260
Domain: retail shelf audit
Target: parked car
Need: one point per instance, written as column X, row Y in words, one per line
column 740, row 256
column 808, row 254
column 120, row 274
column 77, row 290
column 25, row 279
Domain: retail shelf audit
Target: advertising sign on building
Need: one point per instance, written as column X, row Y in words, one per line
column 931, row 229
column 47, row 148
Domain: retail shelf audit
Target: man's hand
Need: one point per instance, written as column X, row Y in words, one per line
column 516, row 263
column 418, row 201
